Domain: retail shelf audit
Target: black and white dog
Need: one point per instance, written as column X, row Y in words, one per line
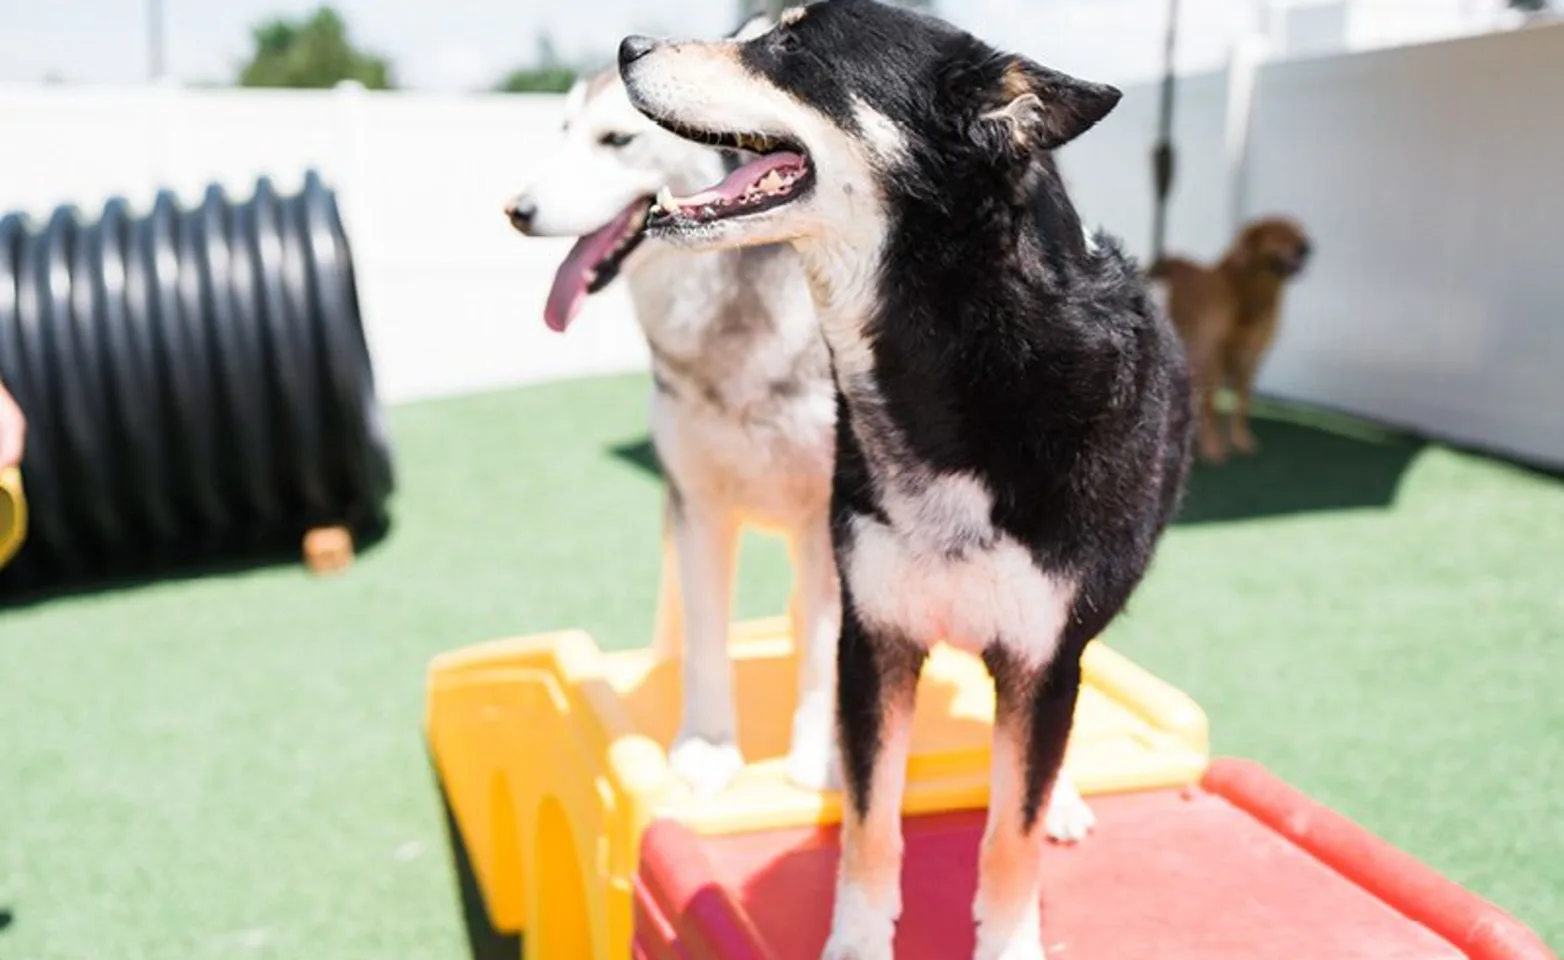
column 1013, row 413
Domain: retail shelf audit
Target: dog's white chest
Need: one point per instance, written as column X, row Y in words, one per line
column 940, row 571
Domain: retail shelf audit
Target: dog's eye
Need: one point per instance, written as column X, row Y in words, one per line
column 615, row 140
column 785, row 40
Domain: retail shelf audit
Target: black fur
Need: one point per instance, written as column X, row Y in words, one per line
column 882, row 673
column 1003, row 348
column 1037, row 702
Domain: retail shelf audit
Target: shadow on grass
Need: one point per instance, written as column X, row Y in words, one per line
column 639, row 454
column 1309, row 461
column 31, row 579
column 484, row 940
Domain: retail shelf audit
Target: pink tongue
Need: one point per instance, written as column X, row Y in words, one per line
column 570, row 280
column 737, row 183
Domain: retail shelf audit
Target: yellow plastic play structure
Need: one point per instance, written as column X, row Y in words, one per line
column 553, row 758
column 13, row 514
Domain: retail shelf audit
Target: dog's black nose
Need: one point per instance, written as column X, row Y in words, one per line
column 633, row 48
column 520, row 214
column 1304, row 249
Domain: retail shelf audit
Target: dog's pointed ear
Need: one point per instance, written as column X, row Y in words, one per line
column 575, row 97
column 1032, row 107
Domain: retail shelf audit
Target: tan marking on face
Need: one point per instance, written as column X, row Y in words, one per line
column 792, row 15
column 720, row 51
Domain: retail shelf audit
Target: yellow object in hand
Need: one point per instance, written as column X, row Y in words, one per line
column 13, row 514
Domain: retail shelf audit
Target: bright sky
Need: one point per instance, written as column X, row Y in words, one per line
column 461, row 44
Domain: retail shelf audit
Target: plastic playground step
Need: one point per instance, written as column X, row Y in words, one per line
column 553, row 759
column 1243, row 866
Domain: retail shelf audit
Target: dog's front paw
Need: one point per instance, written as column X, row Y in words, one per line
column 1244, row 442
column 1069, row 817
column 859, row 929
column 705, row 766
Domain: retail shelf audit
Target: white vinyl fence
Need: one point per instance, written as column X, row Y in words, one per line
column 1431, row 177
column 452, row 296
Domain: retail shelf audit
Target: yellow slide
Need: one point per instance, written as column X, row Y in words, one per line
column 553, row 757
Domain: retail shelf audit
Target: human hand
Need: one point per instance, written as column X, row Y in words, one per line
column 13, row 430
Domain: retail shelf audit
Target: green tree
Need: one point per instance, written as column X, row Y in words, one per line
column 311, row 52
column 547, row 74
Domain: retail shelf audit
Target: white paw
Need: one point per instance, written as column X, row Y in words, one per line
column 860, row 930
column 1068, row 819
column 706, row 767
column 1013, row 949
column 807, row 768
column 812, row 761
column 1019, row 939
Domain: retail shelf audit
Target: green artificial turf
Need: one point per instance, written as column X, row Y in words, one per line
column 233, row 766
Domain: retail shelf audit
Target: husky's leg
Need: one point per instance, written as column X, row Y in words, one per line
column 817, row 622
column 668, row 628
column 705, row 752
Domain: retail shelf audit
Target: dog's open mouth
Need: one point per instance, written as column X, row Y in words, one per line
column 780, row 173
column 594, row 262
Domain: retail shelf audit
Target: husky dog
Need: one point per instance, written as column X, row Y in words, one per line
column 1013, row 413
column 742, row 405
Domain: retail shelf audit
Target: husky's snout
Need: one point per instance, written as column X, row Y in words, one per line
column 520, row 213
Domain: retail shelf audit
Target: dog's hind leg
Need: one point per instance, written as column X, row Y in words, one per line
column 817, row 621
column 668, row 627
column 1243, row 363
column 1213, row 445
column 877, row 681
column 1033, row 710
column 705, row 753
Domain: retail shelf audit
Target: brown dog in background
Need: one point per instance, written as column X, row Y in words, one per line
column 1227, row 315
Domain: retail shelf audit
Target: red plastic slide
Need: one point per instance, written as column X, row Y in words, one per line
column 1243, row 867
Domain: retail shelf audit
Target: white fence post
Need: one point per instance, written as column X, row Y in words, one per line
column 1245, row 59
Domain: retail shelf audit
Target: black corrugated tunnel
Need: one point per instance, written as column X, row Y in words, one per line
column 196, row 382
